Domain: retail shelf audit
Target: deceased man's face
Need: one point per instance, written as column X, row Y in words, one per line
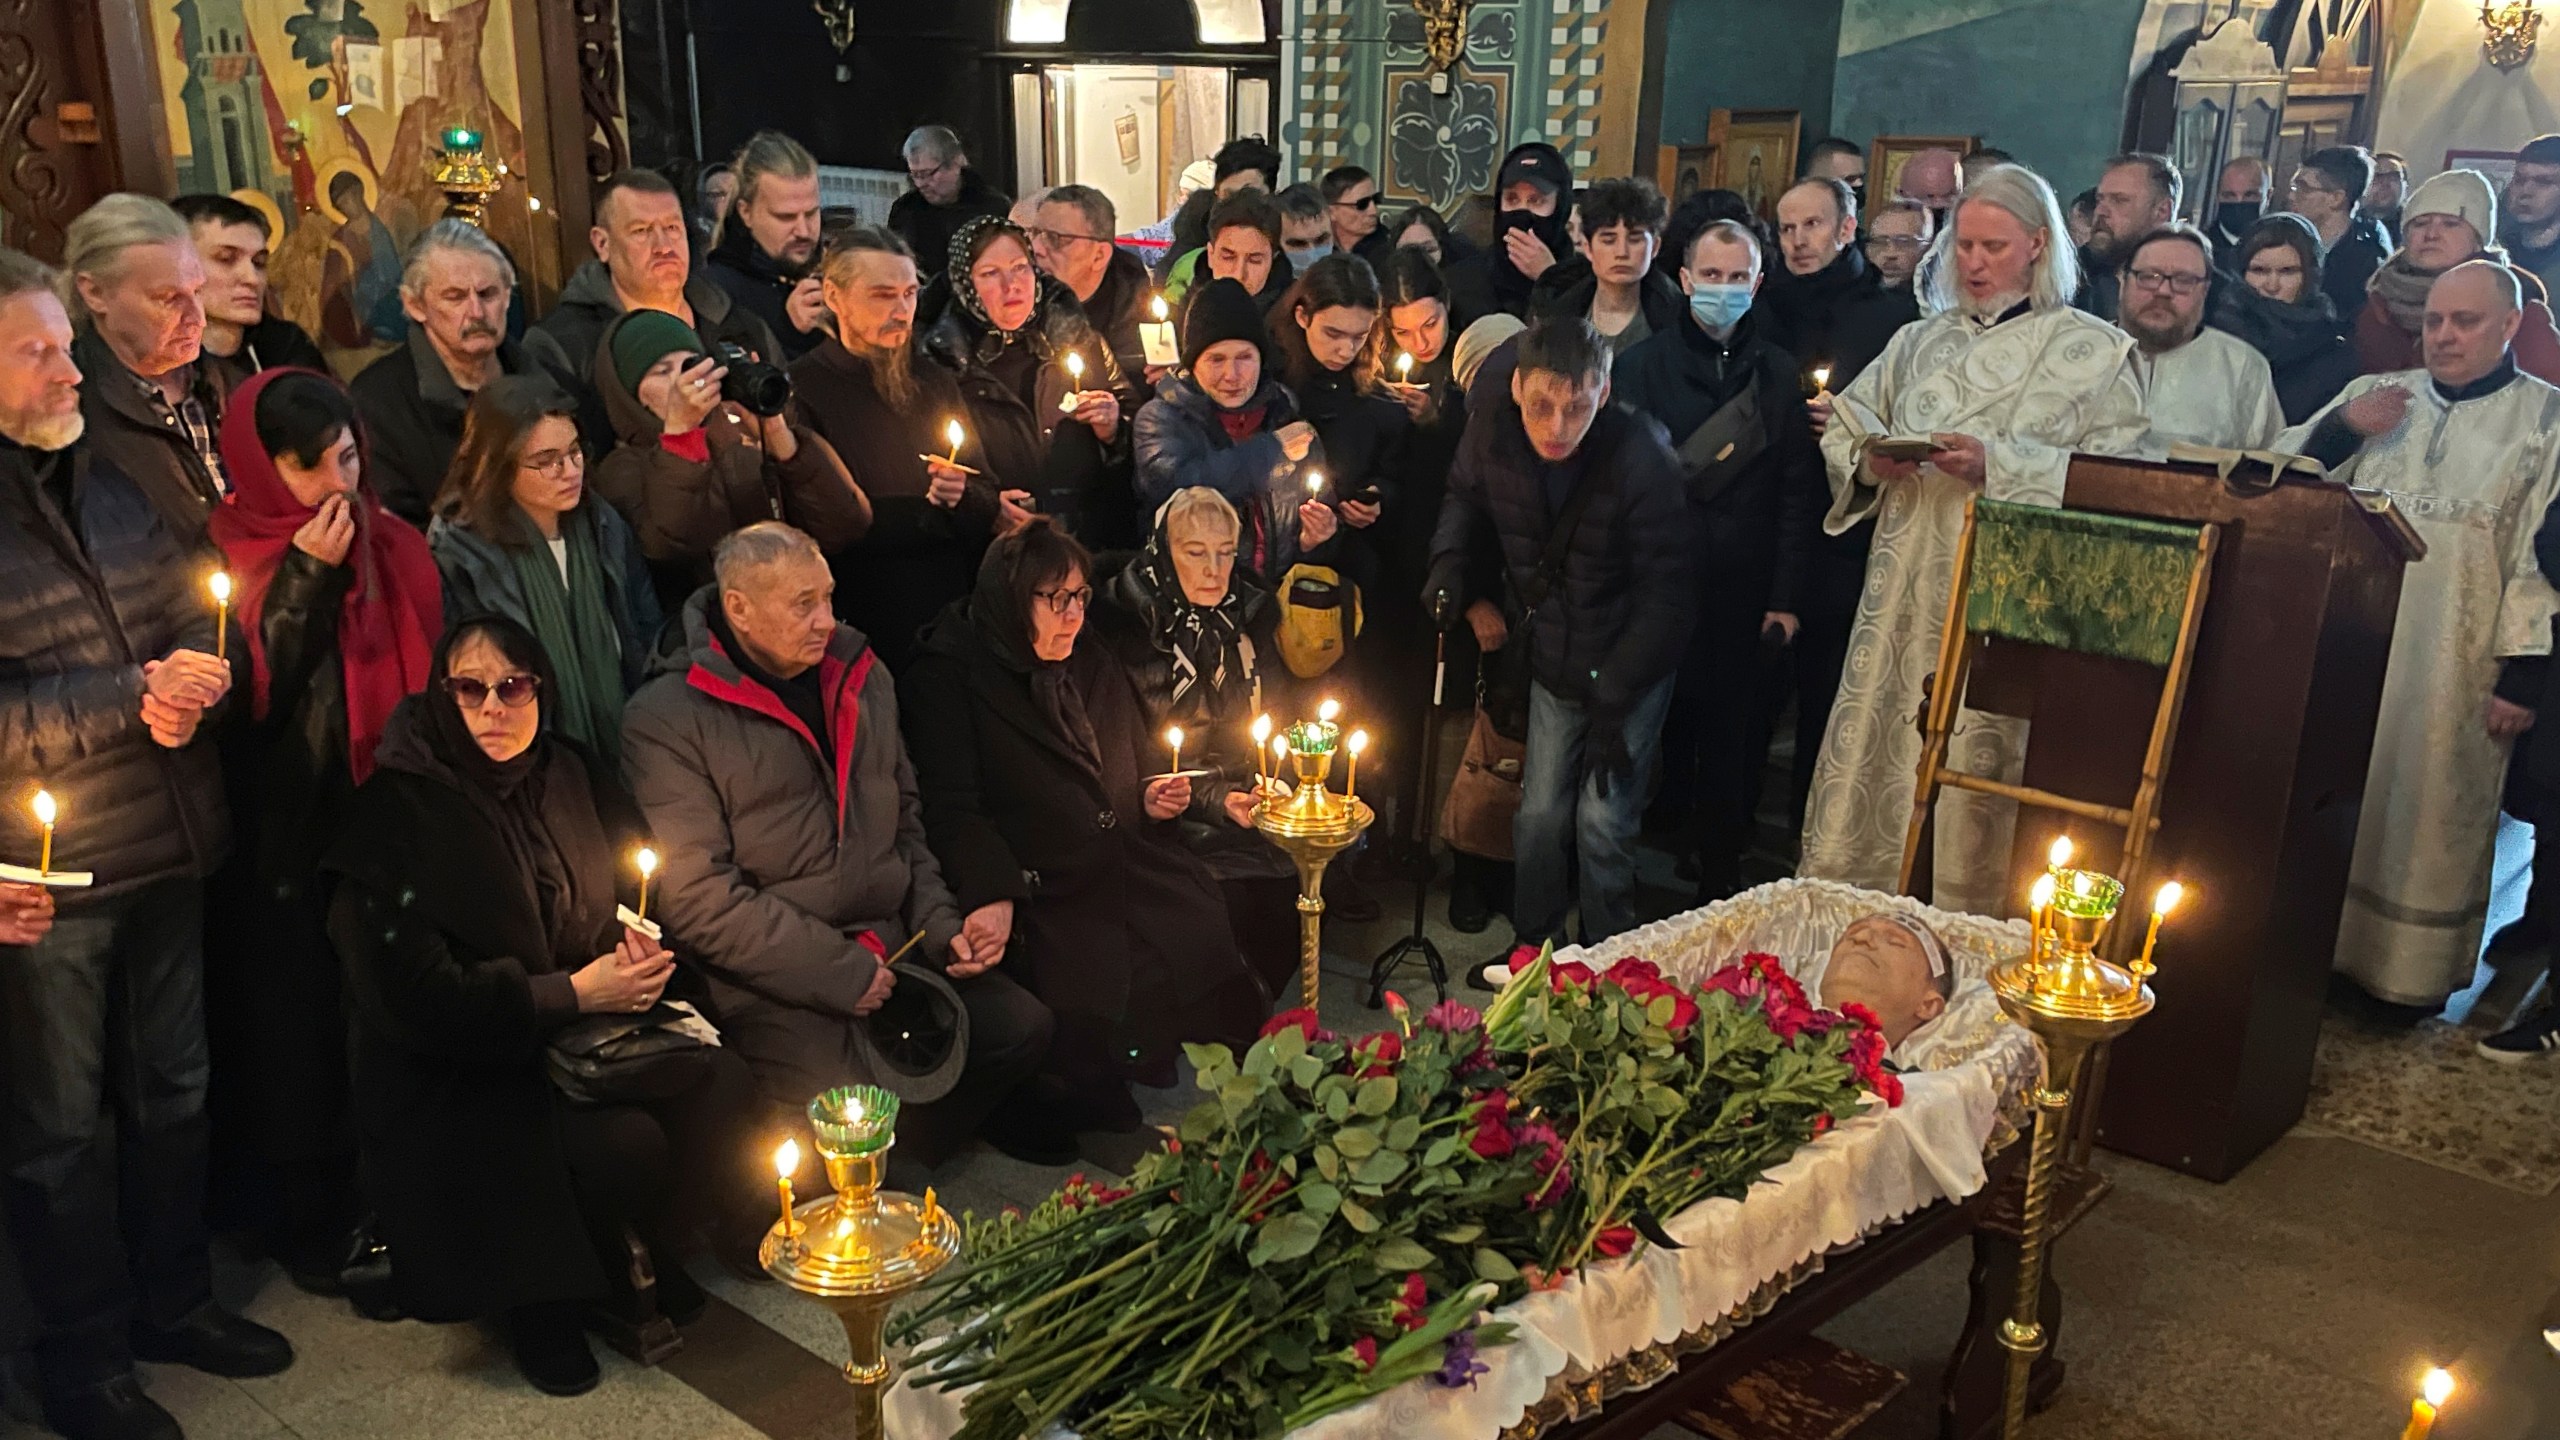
column 1882, row 965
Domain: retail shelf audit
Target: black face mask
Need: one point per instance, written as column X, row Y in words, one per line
column 1554, row 229
column 2236, row 216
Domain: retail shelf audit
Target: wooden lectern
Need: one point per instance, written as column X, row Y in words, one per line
column 2259, row 813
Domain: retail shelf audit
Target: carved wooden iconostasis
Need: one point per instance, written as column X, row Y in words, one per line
column 326, row 115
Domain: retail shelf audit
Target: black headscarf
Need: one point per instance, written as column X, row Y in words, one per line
column 542, row 803
column 1207, row 642
column 1001, row 620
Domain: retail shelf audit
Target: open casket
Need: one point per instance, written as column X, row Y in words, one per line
column 1624, row 1325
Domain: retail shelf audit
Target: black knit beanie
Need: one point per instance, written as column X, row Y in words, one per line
column 1221, row 310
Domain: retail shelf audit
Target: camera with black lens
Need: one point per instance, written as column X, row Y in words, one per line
column 763, row 389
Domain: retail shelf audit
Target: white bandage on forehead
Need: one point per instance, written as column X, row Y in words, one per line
column 1929, row 945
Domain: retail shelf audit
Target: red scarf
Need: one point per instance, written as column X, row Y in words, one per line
column 393, row 612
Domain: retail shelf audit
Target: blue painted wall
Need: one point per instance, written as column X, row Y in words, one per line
column 1748, row 55
column 2041, row 79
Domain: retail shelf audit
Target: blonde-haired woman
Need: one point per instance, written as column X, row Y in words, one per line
column 1197, row 641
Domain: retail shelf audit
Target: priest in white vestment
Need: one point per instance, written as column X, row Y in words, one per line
column 2007, row 380
column 2469, row 449
column 2200, row 386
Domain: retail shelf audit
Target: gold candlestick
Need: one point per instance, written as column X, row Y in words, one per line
column 2071, row 1000
column 461, row 169
column 861, row 1250
column 1313, row 825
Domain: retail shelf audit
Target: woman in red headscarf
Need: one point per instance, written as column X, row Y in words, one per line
column 338, row 607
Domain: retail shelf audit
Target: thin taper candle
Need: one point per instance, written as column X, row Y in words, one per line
column 647, row 860
column 220, row 585
column 43, row 806
column 1261, row 738
column 2170, row 895
column 2422, row 1411
column 1358, row 742
column 1173, row 737
column 953, row 433
column 2039, row 901
column 786, row 1163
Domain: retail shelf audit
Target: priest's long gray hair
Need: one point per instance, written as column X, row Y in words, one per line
column 2023, row 193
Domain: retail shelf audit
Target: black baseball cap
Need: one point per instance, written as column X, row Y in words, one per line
column 1540, row 164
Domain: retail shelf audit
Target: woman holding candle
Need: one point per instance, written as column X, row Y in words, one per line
column 1198, row 642
column 1227, row 423
column 1009, row 338
column 339, row 605
column 518, row 534
column 1046, row 802
column 479, row 874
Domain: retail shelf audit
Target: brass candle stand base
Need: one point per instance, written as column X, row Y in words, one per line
column 1313, row 825
column 860, row 1250
column 2071, row 1000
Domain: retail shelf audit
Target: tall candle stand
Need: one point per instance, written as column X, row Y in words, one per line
column 862, row 1249
column 2071, row 1000
column 1313, row 825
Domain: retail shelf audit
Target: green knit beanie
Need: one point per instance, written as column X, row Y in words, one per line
column 643, row 338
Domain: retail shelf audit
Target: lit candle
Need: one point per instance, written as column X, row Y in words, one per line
column 2422, row 1411
column 1173, row 737
column 1315, row 483
column 951, row 432
column 42, row 804
column 1261, row 737
column 1279, row 752
column 2059, row 856
column 1821, row 379
column 220, row 585
column 647, row 861
column 1075, row 382
column 1358, row 742
column 1157, row 306
column 2170, row 895
column 2038, row 901
column 786, row 1163
column 1329, row 709
column 1404, row 367
column 1156, row 337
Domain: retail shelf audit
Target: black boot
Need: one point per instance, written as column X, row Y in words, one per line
column 117, row 1410
column 216, row 1342
column 551, row 1348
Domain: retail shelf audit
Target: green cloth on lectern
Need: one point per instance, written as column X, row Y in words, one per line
column 2080, row 581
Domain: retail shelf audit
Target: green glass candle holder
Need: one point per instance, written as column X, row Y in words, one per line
column 854, row 1120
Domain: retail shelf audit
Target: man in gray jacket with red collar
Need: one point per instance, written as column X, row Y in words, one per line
column 778, row 789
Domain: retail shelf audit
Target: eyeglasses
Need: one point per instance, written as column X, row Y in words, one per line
column 1365, row 202
column 2303, row 185
column 2175, row 284
column 515, row 692
column 1065, row 602
column 1892, row 242
column 918, row 177
column 1055, row 236
column 554, row 463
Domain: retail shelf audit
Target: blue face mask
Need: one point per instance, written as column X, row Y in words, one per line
column 1720, row 307
column 1305, row 260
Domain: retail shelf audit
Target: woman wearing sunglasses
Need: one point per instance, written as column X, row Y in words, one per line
column 1047, row 801
column 517, row 533
column 338, row 606
column 480, row 871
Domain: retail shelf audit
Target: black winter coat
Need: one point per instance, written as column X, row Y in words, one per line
column 1660, row 299
column 567, row 337
column 272, row 343
column 125, row 430
column 918, row 557
column 455, row 994
column 1757, row 531
column 2306, row 348
column 1618, row 619
column 1841, row 316
column 928, row 228
column 1117, row 307
column 413, row 416
column 762, row 288
column 1365, row 438
column 2346, row 270
column 1029, row 443
column 1118, row 928
column 85, row 599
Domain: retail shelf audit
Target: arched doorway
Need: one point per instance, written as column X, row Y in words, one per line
column 1122, row 94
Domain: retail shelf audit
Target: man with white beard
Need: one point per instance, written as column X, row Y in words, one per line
column 2202, row 387
column 2469, row 449
column 2006, row 380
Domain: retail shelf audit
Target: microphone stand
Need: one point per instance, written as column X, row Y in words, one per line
column 1418, row 943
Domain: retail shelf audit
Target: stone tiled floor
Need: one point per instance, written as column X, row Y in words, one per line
column 2299, row 1300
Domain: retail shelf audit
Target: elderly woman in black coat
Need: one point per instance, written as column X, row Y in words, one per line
column 481, row 866
column 1198, row 641
column 1046, row 802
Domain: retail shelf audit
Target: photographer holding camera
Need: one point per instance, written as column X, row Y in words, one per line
column 703, row 448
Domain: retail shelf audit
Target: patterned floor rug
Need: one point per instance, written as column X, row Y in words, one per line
column 2423, row 1093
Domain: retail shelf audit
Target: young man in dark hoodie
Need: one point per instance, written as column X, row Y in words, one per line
column 1618, row 289
column 767, row 253
column 1532, row 234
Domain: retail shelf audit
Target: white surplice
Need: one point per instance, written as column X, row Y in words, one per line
column 2214, row 390
column 2032, row 389
column 2473, row 477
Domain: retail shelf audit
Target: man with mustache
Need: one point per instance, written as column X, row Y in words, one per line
column 933, row 510
column 137, row 297
column 2203, row 386
column 454, row 284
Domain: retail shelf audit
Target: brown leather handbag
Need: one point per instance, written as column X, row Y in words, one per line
column 1476, row 818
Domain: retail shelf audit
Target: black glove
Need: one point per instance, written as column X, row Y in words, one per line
column 1440, row 593
column 1605, row 757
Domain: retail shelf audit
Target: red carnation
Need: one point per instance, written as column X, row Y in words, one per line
column 1413, row 1303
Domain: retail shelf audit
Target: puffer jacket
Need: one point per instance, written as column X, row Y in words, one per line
column 1617, row 621
column 1180, row 444
column 1033, row 445
column 85, row 600
column 683, row 494
column 774, row 860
